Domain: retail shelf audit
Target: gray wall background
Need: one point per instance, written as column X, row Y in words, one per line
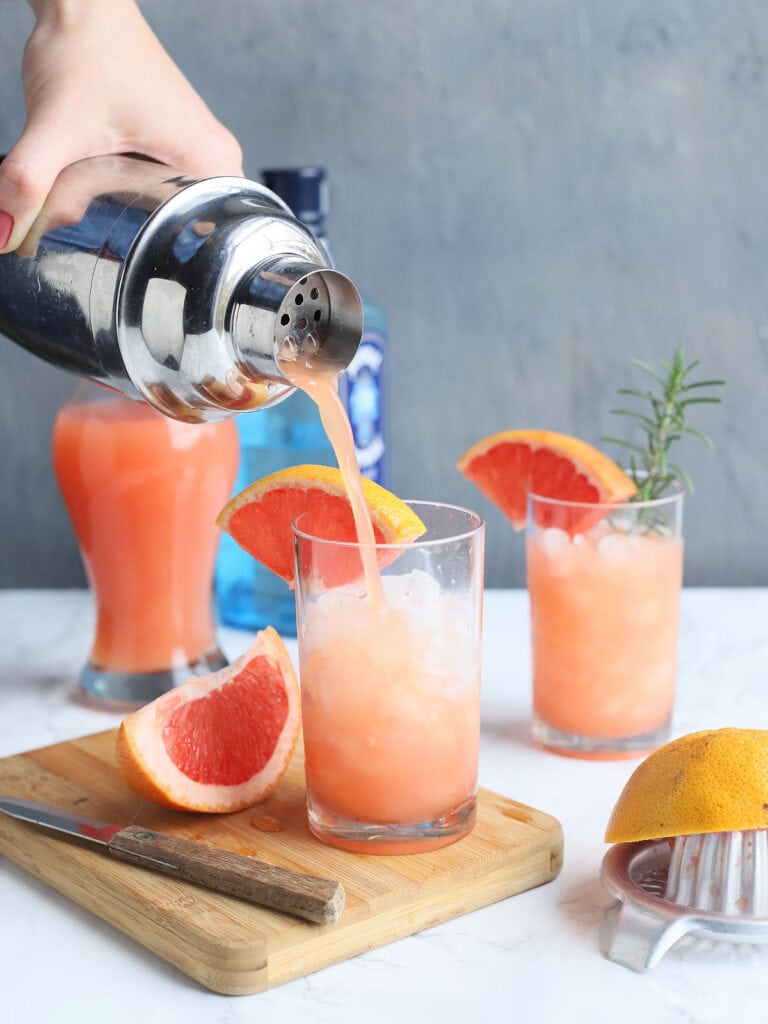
column 534, row 190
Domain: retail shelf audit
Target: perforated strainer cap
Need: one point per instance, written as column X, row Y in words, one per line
column 301, row 310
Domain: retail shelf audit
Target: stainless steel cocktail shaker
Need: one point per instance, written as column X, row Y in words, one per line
column 186, row 293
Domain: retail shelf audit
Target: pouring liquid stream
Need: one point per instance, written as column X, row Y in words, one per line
column 323, row 388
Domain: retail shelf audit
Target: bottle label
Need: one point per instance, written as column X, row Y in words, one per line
column 365, row 404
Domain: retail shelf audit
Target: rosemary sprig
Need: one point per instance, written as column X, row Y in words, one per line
column 663, row 423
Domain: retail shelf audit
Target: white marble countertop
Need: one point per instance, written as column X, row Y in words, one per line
column 534, row 957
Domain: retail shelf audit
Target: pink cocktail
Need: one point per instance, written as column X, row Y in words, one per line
column 604, row 585
column 391, row 686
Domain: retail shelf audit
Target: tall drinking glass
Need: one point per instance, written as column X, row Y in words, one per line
column 604, row 585
column 390, row 680
column 143, row 492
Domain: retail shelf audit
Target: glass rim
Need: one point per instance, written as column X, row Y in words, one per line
column 417, row 542
column 676, row 493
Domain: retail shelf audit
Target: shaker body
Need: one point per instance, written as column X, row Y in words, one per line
column 174, row 290
column 57, row 293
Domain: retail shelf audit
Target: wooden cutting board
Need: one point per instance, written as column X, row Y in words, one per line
column 234, row 947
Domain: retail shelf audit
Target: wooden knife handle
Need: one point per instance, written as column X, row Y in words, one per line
column 316, row 899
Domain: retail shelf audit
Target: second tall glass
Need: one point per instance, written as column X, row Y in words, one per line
column 604, row 584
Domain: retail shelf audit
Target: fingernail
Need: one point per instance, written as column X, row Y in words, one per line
column 6, row 227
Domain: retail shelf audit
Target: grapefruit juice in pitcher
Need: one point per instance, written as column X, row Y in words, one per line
column 142, row 491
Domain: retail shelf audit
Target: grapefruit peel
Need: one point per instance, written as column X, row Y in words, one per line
column 715, row 780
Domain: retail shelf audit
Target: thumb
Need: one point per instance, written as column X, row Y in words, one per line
column 26, row 177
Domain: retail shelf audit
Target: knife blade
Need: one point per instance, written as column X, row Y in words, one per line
column 320, row 900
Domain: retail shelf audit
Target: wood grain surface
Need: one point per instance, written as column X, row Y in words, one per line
column 234, row 947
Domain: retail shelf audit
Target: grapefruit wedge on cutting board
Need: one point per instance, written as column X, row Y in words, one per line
column 220, row 742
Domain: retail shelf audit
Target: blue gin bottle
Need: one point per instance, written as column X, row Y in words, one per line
column 290, row 434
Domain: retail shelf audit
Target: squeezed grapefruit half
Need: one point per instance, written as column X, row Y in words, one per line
column 710, row 781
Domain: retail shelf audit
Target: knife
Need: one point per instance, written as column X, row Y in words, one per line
column 315, row 899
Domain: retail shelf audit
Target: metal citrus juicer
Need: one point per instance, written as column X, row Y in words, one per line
column 711, row 887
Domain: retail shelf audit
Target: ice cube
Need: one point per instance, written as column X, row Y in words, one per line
column 556, row 548
column 413, row 591
column 615, row 546
column 555, row 542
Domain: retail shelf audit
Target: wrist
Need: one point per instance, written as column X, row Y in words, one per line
column 61, row 14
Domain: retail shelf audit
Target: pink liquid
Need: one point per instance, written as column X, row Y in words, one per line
column 143, row 493
column 391, row 732
column 604, row 615
column 323, row 389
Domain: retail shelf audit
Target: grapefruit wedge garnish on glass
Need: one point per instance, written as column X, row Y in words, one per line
column 259, row 519
column 507, row 466
column 220, row 742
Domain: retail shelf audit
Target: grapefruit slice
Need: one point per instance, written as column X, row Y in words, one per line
column 220, row 742
column 259, row 518
column 506, row 467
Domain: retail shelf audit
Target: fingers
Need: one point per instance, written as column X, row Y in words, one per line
column 26, row 177
column 214, row 150
column 29, row 171
column 223, row 156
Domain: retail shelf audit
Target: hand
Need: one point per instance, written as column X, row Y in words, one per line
column 97, row 82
